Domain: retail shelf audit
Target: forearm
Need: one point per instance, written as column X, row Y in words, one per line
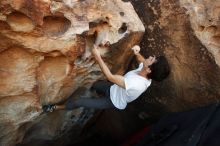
column 139, row 58
column 116, row 79
column 104, row 68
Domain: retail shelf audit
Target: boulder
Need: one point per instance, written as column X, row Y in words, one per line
column 45, row 56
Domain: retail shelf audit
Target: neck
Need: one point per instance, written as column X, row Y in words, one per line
column 143, row 73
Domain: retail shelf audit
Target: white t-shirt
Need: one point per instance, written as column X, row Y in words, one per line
column 135, row 85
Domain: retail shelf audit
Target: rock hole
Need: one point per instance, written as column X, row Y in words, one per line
column 20, row 22
column 55, row 26
column 123, row 28
column 92, row 24
column 216, row 40
column 90, row 41
column 201, row 28
column 211, row 29
column 96, row 24
column 122, row 13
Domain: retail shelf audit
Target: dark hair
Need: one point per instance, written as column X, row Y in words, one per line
column 159, row 70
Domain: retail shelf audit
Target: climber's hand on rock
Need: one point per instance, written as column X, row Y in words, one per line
column 136, row 49
column 96, row 52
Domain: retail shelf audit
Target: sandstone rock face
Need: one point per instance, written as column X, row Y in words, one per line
column 45, row 56
column 204, row 18
column 173, row 29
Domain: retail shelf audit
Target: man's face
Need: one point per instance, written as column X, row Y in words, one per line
column 149, row 61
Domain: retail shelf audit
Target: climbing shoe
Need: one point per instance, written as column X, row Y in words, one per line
column 49, row 108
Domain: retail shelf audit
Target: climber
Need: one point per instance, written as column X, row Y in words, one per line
column 119, row 90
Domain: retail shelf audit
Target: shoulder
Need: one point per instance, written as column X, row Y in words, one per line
column 141, row 65
column 135, row 81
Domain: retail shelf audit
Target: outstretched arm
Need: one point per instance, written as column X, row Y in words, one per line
column 139, row 57
column 116, row 79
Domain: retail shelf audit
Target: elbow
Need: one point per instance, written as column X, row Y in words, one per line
column 111, row 78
